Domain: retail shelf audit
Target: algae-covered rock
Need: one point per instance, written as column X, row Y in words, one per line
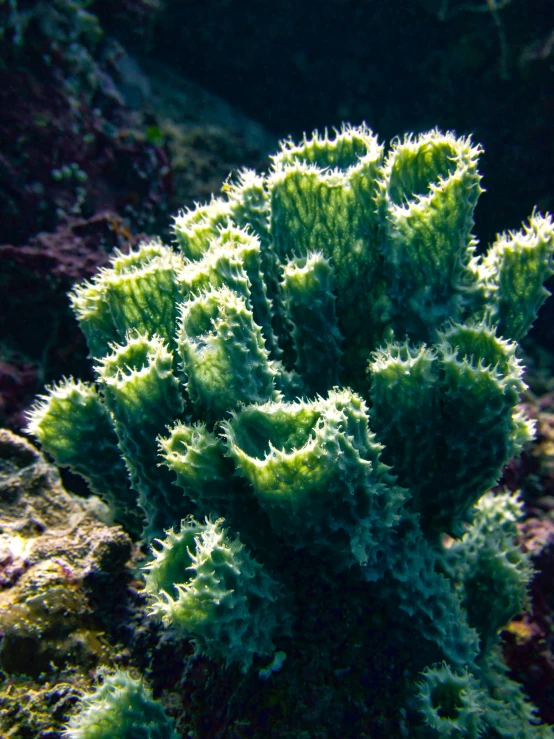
column 56, row 557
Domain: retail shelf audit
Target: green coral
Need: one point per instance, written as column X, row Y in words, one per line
column 208, row 585
column 489, row 567
column 142, row 394
column 315, row 470
column 325, row 361
column 224, row 357
column 468, row 383
column 492, row 574
column 122, row 707
column 76, row 424
column 451, row 703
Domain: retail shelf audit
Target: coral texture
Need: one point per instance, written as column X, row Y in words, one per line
column 326, row 363
column 121, row 708
column 230, row 605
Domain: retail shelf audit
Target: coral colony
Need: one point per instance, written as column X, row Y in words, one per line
column 318, row 384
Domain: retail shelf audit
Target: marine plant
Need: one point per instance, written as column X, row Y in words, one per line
column 312, row 392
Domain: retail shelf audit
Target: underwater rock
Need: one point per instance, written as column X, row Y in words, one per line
column 56, row 557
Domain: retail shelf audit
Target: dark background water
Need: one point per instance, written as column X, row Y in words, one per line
column 297, row 66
